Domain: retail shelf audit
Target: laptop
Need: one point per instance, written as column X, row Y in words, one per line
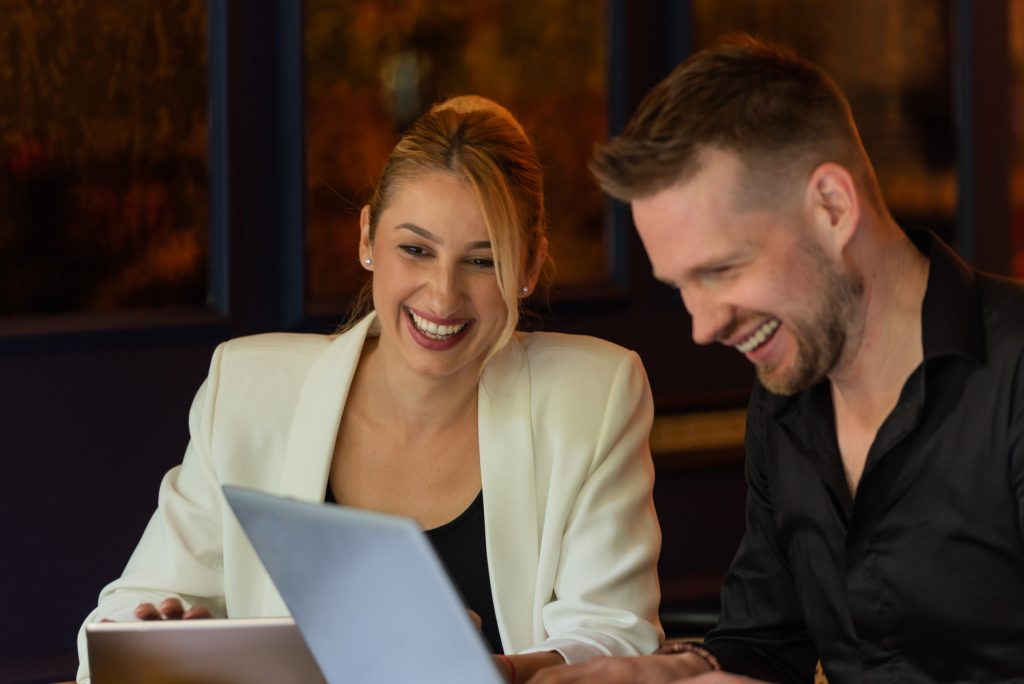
column 237, row 651
column 367, row 592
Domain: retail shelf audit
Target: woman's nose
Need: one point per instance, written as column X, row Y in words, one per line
column 446, row 290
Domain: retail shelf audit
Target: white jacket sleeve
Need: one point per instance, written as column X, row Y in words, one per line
column 606, row 591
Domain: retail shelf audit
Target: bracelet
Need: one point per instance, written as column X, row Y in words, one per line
column 511, row 667
column 688, row 647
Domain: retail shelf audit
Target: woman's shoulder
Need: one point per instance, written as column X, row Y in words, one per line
column 285, row 358
column 286, row 345
column 276, row 358
column 579, row 361
column 580, row 349
column 277, row 344
column 574, row 380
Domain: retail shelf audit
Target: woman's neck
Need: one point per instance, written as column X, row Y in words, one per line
column 407, row 401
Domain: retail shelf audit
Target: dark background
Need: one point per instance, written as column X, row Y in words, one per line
column 93, row 408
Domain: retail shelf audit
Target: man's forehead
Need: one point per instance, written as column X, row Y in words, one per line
column 687, row 239
column 713, row 182
column 671, row 241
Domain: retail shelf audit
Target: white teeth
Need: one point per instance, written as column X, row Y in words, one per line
column 758, row 338
column 433, row 330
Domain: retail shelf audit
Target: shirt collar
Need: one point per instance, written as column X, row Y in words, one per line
column 950, row 316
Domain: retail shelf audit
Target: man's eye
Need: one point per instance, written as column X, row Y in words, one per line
column 718, row 274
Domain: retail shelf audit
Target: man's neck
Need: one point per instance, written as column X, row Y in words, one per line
column 886, row 344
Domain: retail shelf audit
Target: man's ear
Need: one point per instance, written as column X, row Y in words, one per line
column 834, row 204
column 365, row 245
column 533, row 272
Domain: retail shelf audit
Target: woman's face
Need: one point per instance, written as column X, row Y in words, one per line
column 434, row 283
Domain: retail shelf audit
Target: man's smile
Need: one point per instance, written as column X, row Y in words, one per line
column 758, row 337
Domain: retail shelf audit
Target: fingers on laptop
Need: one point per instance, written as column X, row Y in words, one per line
column 475, row 618
column 197, row 613
column 147, row 611
column 170, row 609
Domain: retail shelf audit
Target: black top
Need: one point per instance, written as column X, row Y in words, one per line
column 920, row 577
column 462, row 547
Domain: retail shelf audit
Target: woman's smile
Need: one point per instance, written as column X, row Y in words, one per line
column 434, row 334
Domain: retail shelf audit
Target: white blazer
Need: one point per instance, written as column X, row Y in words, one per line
column 572, row 536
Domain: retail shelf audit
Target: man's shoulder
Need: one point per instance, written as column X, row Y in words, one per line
column 1002, row 303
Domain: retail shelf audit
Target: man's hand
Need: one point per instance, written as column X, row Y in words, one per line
column 171, row 609
column 655, row 669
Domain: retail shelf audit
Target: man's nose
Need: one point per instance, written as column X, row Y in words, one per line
column 710, row 317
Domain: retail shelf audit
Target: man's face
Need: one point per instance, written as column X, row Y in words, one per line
column 757, row 280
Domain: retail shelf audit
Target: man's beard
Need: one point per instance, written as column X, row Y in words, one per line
column 820, row 337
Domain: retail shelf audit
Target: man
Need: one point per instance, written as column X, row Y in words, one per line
column 885, row 433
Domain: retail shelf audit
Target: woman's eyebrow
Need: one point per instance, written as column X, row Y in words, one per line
column 422, row 232
column 427, row 235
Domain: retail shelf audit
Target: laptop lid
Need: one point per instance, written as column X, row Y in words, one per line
column 244, row 651
column 367, row 592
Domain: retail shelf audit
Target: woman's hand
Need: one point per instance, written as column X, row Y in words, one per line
column 171, row 609
column 506, row 668
column 522, row 667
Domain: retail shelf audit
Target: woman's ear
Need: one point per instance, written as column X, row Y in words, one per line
column 834, row 204
column 365, row 245
column 533, row 272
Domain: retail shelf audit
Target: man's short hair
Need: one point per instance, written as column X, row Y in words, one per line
column 777, row 112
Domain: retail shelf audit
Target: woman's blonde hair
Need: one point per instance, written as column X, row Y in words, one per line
column 483, row 145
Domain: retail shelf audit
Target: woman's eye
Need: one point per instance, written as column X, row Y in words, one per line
column 413, row 250
column 481, row 262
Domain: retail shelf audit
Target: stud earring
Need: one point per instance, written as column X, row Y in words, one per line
column 368, row 261
column 526, row 290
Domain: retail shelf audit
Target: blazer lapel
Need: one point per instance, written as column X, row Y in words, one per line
column 317, row 417
column 509, row 487
column 315, row 429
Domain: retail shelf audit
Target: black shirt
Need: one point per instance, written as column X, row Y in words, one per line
column 461, row 544
column 920, row 577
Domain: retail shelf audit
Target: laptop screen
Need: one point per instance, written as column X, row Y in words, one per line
column 367, row 591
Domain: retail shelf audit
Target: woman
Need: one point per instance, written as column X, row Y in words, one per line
column 524, row 456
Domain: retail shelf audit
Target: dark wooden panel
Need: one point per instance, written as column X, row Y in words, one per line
column 88, row 433
column 700, row 498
